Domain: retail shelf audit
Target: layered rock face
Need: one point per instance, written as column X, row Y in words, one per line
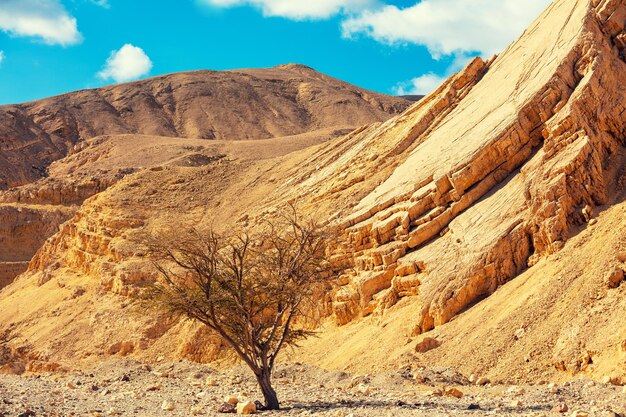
column 503, row 179
column 23, row 230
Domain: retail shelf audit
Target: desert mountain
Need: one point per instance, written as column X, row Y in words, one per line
column 228, row 105
column 489, row 216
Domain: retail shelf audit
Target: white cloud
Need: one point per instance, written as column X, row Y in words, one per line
column 429, row 82
column 448, row 26
column 300, row 9
column 102, row 3
column 421, row 85
column 128, row 63
column 43, row 19
column 2, row 56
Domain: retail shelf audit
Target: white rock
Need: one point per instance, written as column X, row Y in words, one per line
column 364, row 389
column 196, row 411
column 247, row 407
column 483, row 380
column 167, row 406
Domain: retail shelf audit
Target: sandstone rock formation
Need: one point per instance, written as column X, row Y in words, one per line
column 508, row 168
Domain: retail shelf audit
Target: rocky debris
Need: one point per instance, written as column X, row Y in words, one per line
column 313, row 392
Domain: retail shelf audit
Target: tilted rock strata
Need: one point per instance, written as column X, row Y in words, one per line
column 538, row 154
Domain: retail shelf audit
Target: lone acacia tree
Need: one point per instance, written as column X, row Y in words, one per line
column 249, row 287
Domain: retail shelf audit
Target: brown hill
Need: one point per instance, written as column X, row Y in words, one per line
column 228, row 105
column 487, row 216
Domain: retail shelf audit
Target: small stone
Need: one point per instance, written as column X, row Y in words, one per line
column 560, row 408
column 231, row 399
column 592, row 222
column 196, row 411
column 155, row 387
column 472, row 379
column 516, row 403
column 167, row 406
column 437, row 392
column 453, row 392
column 210, row 382
column 247, row 407
column 580, row 413
column 483, row 380
column 364, row 389
column 554, row 388
column 114, row 411
column 615, row 277
column 227, row 408
column 70, row 385
column 517, row 391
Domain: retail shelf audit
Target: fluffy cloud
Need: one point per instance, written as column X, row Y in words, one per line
column 2, row 56
column 43, row 19
column 128, row 63
column 421, row 85
column 448, row 26
column 300, row 9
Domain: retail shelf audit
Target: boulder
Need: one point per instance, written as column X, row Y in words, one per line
column 167, row 406
column 454, row 392
column 426, row 344
column 614, row 277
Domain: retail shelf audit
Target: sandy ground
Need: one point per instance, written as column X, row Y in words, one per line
column 130, row 388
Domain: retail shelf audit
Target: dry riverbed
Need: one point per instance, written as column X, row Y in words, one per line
column 128, row 388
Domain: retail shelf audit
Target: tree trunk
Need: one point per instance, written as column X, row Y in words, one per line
column 271, row 400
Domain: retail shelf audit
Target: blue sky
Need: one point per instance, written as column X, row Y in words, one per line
column 49, row 47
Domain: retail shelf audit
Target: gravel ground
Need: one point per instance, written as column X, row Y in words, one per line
column 129, row 388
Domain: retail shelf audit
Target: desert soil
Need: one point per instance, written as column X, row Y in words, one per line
column 130, row 388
